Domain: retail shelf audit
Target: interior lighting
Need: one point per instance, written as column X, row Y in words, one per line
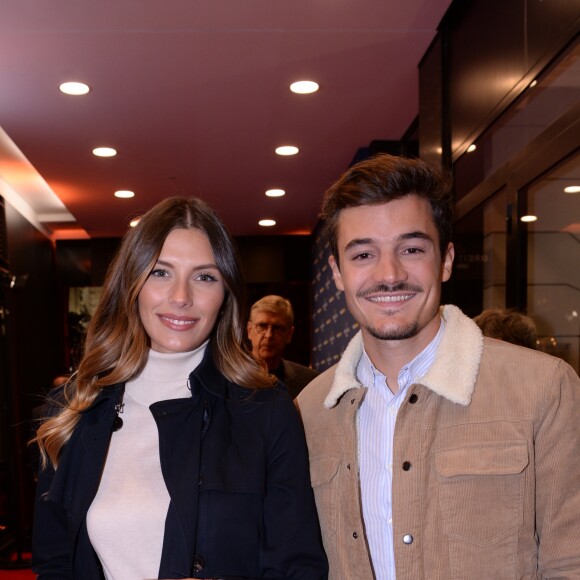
column 124, row 193
column 533, row 83
column 529, row 218
column 572, row 189
column 304, row 87
column 275, row 193
column 74, row 88
column 134, row 221
column 104, row 152
column 267, row 223
column 472, row 148
column 287, row 150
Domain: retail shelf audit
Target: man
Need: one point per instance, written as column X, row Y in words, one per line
column 270, row 329
column 435, row 453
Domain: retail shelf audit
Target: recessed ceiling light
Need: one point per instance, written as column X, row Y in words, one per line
column 572, row 189
column 275, row 193
column 304, row 87
column 267, row 223
column 124, row 193
column 472, row 148
column 529, row 218
column 74, row 88
column 287, row 150
column 135, row 221
column 104, row 152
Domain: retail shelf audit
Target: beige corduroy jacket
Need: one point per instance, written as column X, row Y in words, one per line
column 492, row 436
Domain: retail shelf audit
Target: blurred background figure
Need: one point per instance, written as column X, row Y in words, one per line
column 270, row 329
column 509, row 325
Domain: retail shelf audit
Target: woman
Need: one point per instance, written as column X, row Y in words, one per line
column 152, row 470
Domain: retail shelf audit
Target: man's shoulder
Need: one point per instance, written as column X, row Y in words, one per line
column 499, row 351
column 314, row 394
column 299, row 369
column 533, row 367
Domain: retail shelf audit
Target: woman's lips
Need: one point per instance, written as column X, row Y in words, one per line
column 177, row 322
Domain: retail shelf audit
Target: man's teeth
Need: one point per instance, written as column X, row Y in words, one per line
column 391, row 298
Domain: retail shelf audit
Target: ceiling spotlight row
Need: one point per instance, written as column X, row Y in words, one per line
column 300, row 87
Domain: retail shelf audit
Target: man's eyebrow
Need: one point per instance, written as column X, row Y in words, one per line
column 358, row 242
column 417, row 235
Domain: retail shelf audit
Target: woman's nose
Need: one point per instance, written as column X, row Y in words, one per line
column 181, row 293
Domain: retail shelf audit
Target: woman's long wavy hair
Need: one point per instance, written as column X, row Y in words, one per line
column 116, row 345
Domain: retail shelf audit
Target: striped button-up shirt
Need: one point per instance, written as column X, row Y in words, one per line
column 376, row 428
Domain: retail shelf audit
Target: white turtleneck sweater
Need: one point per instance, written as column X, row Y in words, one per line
column 126, row 520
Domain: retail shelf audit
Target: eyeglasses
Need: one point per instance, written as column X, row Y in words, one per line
column 262, row 328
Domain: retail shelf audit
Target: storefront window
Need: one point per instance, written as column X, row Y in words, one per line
column 553, row 256
column 544, row 100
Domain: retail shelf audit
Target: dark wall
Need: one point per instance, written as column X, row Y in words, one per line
column 431, row 112
column 85, row 262
column 34, row 324
column 32, row 354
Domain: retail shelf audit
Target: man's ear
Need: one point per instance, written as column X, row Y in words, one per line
column 447, row 263
column 336, row 273
column 290, row 334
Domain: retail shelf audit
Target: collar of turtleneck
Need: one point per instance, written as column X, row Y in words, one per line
column 165, row 376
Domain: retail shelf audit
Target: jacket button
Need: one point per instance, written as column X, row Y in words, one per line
column 355, row 535
column 406, row 466
column 413, row 399
column 198, row 564
column 407, row 539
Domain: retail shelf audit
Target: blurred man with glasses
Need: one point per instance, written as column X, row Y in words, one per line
column 270, row 329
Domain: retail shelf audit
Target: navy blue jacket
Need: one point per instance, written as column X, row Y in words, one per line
column 236, row 467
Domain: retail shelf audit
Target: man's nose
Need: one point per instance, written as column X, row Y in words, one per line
column 391, row 270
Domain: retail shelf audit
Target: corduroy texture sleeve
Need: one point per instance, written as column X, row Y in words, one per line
column 557, row 445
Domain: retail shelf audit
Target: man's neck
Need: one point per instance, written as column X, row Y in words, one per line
column 271, row 363
column 390, row 356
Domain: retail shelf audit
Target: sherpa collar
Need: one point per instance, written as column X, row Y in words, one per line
column 452, row 375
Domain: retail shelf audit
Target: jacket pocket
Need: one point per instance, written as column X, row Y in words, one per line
column 323, row 470
column 481, row 491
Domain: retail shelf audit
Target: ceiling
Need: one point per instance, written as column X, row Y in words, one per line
column 194, row 95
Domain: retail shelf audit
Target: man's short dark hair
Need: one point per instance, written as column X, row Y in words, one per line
column 384, row 178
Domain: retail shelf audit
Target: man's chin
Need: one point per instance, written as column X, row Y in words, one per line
column 394, row 332
column 267, row 354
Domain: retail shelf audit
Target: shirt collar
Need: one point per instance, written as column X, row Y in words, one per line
column 368, row 374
